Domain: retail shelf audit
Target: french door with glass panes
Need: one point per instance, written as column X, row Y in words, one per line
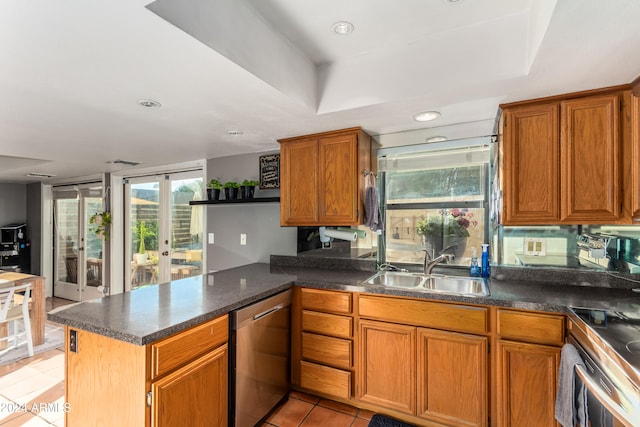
column 163, row 232
column 78, row 249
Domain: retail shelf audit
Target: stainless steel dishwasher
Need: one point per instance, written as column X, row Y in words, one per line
column 260, row 359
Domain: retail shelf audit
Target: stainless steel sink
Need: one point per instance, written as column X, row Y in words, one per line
column 397, row 279
column 456, row 285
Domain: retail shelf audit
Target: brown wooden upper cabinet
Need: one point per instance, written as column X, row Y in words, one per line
column 322, row 178
column 635, row 154
column 566, row 159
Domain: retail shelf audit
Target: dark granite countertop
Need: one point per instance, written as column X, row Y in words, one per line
column 152, row 313
column 522, row 294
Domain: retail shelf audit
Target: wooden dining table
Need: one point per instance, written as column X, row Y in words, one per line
column 38, row 315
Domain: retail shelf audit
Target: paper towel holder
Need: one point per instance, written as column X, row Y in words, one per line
column 327, row 235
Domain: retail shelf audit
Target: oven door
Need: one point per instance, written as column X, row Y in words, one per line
column 607, row 404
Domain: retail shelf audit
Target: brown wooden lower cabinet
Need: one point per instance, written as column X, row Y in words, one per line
column 452, row 377
column 527, row 378
column 322, row 344
column 178, row 381
column 195, row 395
column 435, row 375
column 387, row 368
column 428, row 362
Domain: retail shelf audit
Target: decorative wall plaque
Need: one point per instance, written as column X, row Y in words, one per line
column 270, row 171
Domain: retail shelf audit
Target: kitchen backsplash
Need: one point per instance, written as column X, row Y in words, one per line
column 599, row 248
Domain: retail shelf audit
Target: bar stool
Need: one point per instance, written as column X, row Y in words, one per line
column 11, row 310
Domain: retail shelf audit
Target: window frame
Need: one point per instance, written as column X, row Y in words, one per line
column 476, row 204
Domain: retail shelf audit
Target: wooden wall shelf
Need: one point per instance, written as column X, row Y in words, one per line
column 236, row 201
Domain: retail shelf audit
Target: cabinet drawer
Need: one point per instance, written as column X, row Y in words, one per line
column 172, row 352
column 325, row 380
column 327, row 350
column 531, row 327
column 320, row 300
column 429, row 314
column 327, row 324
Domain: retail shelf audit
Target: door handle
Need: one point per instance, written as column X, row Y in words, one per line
column 165, row 253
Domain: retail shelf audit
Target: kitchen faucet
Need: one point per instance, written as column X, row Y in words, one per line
column 430, row 263
column 390, row 267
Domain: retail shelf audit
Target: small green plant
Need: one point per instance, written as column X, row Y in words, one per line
column 231, row 184
column 215, row 184
column 249, row 183
column 142, row 233
column 101, row 221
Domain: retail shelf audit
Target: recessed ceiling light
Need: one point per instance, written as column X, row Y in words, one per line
column 426, row 116
column 148, row 103
column 234, row 132
column 437, row 139
column 342, row 27
column 453, row 1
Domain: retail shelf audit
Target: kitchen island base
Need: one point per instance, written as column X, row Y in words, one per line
column 178, row 381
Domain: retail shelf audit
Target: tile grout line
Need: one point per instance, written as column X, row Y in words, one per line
column 308, row 413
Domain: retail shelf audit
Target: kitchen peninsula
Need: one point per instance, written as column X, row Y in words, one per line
column 137, row 341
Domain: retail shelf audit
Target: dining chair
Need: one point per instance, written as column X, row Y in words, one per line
column 12, row 310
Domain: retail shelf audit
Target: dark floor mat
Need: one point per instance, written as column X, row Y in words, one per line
column 379, row 420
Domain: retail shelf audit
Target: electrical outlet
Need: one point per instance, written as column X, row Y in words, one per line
column 73, row 341
column 211, row 240
column 243, row 239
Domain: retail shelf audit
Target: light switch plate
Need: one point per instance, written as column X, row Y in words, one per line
column 535, row 246
column 210, row 238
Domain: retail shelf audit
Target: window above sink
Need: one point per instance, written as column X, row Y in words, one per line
column 435, row 200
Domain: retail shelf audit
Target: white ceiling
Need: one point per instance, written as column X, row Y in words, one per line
column 72, row 71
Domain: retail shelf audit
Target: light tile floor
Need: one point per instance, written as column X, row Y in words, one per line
column 32, row 389
column 32, row 394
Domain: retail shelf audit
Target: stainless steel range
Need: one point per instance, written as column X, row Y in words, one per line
column 609, row 343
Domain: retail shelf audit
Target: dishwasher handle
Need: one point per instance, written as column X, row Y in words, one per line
column 267, row 312
column 616, row 408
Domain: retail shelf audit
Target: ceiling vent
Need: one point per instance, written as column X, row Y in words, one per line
column 40, row 175
column 124, row 162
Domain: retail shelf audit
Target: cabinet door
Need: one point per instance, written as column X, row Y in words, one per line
column 338, row 184
column 299, row 178
column 195, row 395
column 452, row 378
column 387, row 365
column 527, row 377
column 531, row 165
column 635, row 157
column 590, row 157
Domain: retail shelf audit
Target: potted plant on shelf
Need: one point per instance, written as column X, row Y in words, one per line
column 142, row 256
column 213, row 191
column 231, row 190
column 247, row 188
column 101, row 222
column 449, row 229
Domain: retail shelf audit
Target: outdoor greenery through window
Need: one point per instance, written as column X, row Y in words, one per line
column 435, row 202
